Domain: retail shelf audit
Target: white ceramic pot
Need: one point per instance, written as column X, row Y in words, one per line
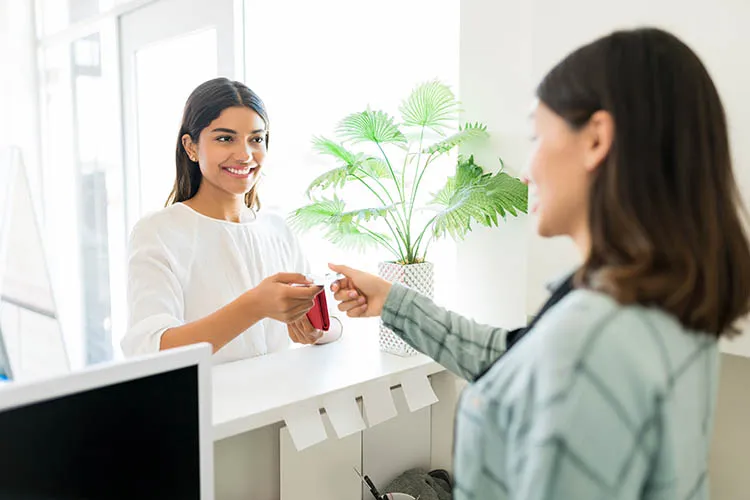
column 419, row 277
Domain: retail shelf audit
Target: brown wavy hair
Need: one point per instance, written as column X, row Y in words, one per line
column 204, row 105
column 665, row 214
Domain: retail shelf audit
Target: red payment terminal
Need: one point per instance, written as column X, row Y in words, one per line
column 318, row 315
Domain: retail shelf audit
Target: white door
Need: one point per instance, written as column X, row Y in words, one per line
column 168, row 47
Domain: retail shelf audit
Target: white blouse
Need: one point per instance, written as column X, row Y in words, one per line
column 183, row 266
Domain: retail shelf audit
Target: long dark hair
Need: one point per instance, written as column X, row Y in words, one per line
column 203, row 106
column 664, row 210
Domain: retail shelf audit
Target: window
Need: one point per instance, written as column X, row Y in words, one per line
column 82, row 172
column 184, row 62
column 56, row 15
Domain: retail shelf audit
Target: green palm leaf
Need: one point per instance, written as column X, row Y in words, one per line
column 354, row 165
column 466, row 133
column 371, row 167
column 331, row 148
column 351, row 237
column 318, row 213
column 336, row 178
column 432, row 105
column 372, row 126
column 474, row 196
column 366, row 214
column 338, row 230
column 375, row 168
column 341, row 225
column 347, row 230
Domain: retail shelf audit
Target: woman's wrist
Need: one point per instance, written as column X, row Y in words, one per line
column 252, row 306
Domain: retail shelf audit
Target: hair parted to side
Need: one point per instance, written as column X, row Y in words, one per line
column 665, row 214
column 204, row 105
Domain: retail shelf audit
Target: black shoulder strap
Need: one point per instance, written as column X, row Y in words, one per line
column 514, row 336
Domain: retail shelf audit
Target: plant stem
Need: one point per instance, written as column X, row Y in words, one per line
column 421, row 235
column 418, row 180
column 390, row 169
column 427, row 245
column 416, row 168
column 396, row 232
column 405, row 222
column 403, row 170
column 382, row 241
column 412, row 202
column 414, row 187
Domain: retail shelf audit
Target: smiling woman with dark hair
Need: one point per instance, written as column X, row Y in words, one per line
column 610, row 392
column 211, row 266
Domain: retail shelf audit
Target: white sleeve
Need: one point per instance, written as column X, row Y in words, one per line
column 155, row 296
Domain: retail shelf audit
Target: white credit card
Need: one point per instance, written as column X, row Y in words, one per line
column 324, row 279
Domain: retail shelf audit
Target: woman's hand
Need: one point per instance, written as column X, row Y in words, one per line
column 276, row 298
column 360, row 294
column 303, row 332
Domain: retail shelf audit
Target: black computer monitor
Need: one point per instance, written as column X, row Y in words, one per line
column 136, row 430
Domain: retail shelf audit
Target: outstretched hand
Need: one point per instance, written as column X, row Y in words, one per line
column 360, row 294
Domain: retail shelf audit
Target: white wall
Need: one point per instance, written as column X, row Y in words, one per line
column 729, row 451
column 507, row 267
column 506, row 48
column 495, row 82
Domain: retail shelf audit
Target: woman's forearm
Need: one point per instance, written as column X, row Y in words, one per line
column 463, row 346
column 218, row 328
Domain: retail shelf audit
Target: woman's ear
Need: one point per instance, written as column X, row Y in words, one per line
column 190, row 147
column 599, row 134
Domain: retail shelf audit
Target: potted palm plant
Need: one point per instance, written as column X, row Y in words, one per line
column 391, row 209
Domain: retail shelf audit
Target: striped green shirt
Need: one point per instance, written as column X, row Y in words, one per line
column 598, row 401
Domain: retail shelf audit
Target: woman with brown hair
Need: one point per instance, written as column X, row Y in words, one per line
column 211, row 266
column 610, row 392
